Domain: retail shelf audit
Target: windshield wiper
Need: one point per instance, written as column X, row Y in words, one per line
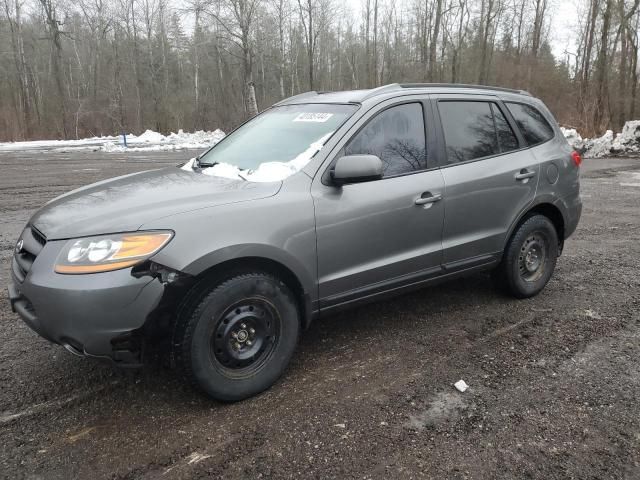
column 206, row 165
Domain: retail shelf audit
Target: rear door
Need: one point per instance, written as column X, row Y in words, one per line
column 489, row 174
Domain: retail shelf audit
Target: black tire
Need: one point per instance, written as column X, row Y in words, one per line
column 236, row 337
column 529, row 259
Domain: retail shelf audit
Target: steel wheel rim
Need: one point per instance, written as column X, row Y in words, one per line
column 533, row 257
column 245, row 336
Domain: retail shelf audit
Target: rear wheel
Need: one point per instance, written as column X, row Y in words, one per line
column 237, row 338
column 529, row 259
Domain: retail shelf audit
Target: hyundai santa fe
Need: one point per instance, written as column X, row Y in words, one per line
column 321, row 202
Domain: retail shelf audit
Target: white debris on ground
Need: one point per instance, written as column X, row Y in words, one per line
column 627, row 142
column 461, row 385
column 266, row 172
column 149, row 141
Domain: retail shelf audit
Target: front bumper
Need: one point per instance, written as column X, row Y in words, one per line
column 92, row 314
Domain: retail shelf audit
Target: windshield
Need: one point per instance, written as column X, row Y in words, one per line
column 276, row 143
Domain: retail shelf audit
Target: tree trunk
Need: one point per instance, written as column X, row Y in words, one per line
column 602, row 87
column 56, row 58
column 434, row 40
column 252, row 105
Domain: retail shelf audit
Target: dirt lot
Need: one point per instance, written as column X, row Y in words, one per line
column 554, row 381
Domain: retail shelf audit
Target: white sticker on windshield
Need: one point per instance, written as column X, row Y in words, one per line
column 313, row 117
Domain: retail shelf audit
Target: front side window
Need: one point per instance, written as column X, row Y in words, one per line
column 396, row 136
column 276, row 143
column 534, row 127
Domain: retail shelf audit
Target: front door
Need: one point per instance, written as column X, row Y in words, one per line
column 378, row 235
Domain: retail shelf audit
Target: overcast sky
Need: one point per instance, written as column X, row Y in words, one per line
column 564, row 22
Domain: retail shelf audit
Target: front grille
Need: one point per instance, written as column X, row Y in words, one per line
column 38, row 236
column 33, row 243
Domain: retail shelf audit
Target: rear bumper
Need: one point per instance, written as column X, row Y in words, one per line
column 573, row 212
column 92, row 315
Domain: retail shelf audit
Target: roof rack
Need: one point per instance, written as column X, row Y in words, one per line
column 462, row 85
column 380, row 90
column 312, row 93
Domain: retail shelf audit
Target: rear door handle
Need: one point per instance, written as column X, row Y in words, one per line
column 427, row 198
column 524, row 174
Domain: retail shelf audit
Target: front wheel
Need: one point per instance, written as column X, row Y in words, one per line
column 238, row 337
column 529, row 259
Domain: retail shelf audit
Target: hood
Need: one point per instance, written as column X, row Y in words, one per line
column 123, row 204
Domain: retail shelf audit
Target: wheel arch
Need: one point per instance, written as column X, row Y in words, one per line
column 221, row 264
column 547, row 209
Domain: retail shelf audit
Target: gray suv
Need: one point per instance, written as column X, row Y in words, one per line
column 321, row 202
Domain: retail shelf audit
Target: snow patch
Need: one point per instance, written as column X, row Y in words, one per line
column 149, row 136
column 266, row 172
column 189, row 165
column 223, row 170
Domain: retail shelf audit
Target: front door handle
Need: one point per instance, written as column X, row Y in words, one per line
column 427, row 198
column 524, row 174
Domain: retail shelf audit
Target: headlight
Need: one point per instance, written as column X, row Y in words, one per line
column 109, row 252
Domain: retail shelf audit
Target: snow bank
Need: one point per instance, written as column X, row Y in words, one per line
column 149, row 136
column 573, row 137
column 149, row 141
column 601, row 146
column 627, row 142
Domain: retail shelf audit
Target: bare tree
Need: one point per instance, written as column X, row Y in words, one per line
column 237, row 21
column 96, row 67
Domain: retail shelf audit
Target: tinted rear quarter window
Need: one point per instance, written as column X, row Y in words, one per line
column 534, row 127
column 506, row 138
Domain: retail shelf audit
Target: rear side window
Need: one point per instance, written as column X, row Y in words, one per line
column 475, row 130
column 532, row 124
column 397, row 136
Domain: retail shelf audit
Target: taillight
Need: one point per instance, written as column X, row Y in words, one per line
column 577, row 159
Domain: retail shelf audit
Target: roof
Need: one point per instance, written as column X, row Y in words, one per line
column 359, row 96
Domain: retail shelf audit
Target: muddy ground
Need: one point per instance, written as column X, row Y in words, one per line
column 554, row 381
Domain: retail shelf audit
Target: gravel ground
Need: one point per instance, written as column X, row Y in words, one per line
column 554, row 380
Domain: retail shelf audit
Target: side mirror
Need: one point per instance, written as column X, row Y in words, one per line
column 356, row 168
